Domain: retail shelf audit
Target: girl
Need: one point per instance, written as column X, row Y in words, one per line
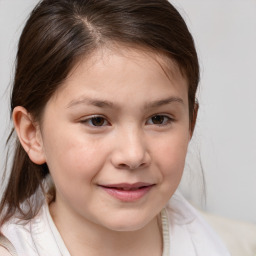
column 104, row 107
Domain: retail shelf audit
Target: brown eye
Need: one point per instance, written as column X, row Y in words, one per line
column 159, row 120
column 97, row 121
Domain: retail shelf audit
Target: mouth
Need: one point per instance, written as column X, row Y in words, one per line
column 128, row 192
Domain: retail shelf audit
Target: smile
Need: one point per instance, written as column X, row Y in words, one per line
column 127, row 192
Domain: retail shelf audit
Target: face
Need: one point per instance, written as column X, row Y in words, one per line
column 115, row 137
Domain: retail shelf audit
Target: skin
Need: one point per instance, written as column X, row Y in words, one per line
column 141, row 135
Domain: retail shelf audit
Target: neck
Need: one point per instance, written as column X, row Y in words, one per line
column 87, row 238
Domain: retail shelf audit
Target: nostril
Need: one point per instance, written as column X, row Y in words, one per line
column 123, row 166
column 124, row 160
column 132, row 166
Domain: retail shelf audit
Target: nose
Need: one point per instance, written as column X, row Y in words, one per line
column 131, row 150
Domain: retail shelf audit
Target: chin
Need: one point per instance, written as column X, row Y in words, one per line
column 126, row 228
column 128, row 223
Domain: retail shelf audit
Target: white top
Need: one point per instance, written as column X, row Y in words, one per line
column 185, row 233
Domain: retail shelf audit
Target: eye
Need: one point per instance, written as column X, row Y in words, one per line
column 159, row 120
column 95, row 121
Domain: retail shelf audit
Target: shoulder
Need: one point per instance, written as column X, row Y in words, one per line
column 189, row 232
column 238, row 236
column 33, row 236
column 4, row 252
column 6, row 247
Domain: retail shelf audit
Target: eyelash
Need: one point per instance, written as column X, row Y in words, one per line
column 165, row 119
column 90, row 119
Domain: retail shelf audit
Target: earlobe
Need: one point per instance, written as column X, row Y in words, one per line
column 29, row 135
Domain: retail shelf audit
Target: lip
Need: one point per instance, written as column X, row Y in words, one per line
column 127, row 192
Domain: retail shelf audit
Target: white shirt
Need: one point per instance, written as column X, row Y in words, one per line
column 185, row 233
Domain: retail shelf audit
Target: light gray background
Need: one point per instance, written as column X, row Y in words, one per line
column 224, row 144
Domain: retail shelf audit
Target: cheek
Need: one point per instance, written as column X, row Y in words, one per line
column 73, row 157
column 171, row 153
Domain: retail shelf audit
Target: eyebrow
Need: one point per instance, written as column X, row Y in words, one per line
column 107, row 104
column 162, row 102
column 88, row 101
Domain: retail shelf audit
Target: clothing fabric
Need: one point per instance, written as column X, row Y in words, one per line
column 184, row 231
column 5, row 243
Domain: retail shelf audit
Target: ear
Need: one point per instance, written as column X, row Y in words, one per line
column 194, row 118
column 29, row 135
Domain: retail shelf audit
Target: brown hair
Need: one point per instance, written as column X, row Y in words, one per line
column 60, row 32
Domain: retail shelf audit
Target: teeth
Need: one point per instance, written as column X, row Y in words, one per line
column 129, row 189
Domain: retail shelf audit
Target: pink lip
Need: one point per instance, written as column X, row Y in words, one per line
column 128, row 192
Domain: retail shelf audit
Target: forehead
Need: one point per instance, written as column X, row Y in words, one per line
column 111, row 69
column 134, row 53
